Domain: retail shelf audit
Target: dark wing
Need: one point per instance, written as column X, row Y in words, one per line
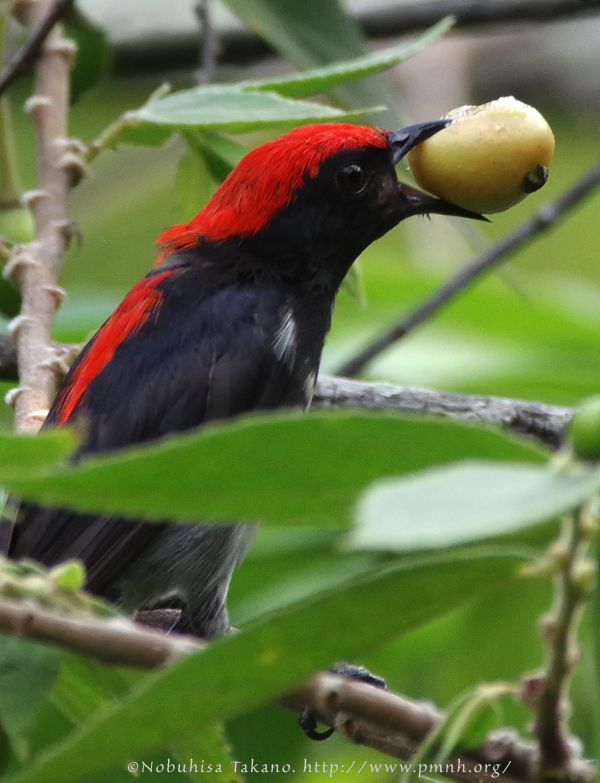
column 199, row 355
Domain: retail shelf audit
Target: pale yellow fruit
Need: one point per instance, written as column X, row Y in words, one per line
column 489, row 158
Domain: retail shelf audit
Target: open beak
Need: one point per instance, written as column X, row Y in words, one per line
column 402, row 141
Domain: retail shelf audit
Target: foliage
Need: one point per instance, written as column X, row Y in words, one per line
column 397, row 542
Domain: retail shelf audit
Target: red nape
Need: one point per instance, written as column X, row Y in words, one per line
column 141, row 302
column 265, row 181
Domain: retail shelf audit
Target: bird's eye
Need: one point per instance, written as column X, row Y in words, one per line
column 352, row 179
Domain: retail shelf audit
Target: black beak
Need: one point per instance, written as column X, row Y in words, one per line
column 402, row 141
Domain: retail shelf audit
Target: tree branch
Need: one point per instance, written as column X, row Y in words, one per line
column 24, row 60
column 376, row 718
column 35, row 267
column 546, row 217
column 549, row 691
column 117, row 641
column 544, row 423
column 396, row 726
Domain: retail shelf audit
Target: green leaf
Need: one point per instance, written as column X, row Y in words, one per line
column 471, row 722
column 23, row 454
column 313, row 33
column 228, row 109
column 212, row 747
column 145, row 134
column 280, row 469
column 465, row 502
column 27, row 671
column 290, row 565
column 250, row 668
column 317, row 80
column 8, row 757
column 429, row 748
column 476, row 721
column 83, row 687
column 466, row 723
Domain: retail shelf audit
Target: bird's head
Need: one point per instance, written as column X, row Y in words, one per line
column 313, row 199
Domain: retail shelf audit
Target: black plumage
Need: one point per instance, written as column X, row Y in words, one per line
column 233, row 320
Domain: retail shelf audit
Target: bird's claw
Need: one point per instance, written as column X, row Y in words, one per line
column 309, row 717
column 308, row 723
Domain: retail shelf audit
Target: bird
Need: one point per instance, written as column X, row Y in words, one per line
column 231, row 319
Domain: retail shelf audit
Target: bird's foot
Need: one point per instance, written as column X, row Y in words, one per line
column 309, row 717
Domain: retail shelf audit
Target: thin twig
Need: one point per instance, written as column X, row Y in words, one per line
column 23, row 60
column 572, row 589
column 35, row 267
column 110, row 136
column 209, row 44
column 546, row 217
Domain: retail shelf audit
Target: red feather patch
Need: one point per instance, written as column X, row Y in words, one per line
column 265, row 182
column 139, row 305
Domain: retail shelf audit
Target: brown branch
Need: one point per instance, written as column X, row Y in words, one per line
column 35, row 267
column 369, row 716
column 572, row 587
column 24, row 60
column 117, row 641
column 546, row 217
column 396, row 726
column 544, row 423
